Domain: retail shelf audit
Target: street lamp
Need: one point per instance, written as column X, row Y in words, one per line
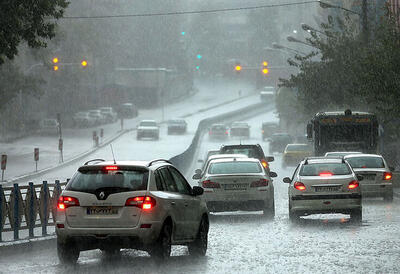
column 295, row 40
column 310, row 29
column 278, row 46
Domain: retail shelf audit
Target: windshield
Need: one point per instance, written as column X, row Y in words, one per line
column 120, row 180
column 318, row 169
column 234, row 167
column 366, row 162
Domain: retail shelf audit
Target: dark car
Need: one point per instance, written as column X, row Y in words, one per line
column 267, row 129
column 251, row 150
column 218, row 131
column 177, row 126
column 240, row 129
column 278, row 142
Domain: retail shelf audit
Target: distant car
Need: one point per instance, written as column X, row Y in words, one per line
column 49, row 127
column 251, row 150
column 144, row 205
column 83, row 119
column 217, row 156
column 341, row 153
column 267, row 94
column 267, row 129
column 177, row 126
column 323, row 185
column 240, row 129
column 218, row 131
column 148, row 129
column 208, row 155
column 97, row 116
column 109, row 113
column 294, row 153
column 128, row 110
column 377, row 175
column 278, row 142
column 238, row 184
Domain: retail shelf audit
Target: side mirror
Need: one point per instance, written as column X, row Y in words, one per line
column 287, row 180
column 270, row 159
column 200, row 161
column 197, row 171
column 196, row 176
column 197, row 191
column 360, row 177
column 273, row 174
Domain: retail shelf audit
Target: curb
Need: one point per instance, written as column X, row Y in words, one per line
column 40, row 243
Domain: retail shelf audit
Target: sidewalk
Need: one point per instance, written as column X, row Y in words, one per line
column 77, row 141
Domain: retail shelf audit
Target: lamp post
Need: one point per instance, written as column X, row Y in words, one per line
column 295, row 40
column 278, row 46
column 308, row 28
column 363, row 15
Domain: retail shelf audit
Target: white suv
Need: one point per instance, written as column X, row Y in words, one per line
column 324, row 185
column 148, row 129
column 130, row 204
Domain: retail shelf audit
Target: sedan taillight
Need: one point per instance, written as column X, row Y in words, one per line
column 299, row 186
column 67, row 201
column 387, row 176
column 259, row 183
column 264, row 163
column 143, row 202
column 209, row 184
column 353, row 184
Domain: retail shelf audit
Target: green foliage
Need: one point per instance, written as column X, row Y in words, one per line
column 345, row 72
column 27, row 20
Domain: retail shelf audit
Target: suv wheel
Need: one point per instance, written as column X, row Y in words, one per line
column 270, row 211
column 162, row 248
column 293, row 217
column 199, row 246
column 356, row 215
column 67, row 253
column 111, row 252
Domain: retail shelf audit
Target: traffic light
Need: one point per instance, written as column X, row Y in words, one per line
column 55, row 62
column 84, row 63
column 265, row 70
column 238, row 67
column 55, row 68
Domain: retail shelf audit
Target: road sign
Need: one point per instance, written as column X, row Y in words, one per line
column 36, row 154
column 3, row 161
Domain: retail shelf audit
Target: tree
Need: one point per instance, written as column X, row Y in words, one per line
column 29, row 21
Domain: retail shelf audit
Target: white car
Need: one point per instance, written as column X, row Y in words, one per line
column 49, row 127
column 377, row 175
column 148, row 129
column 97, row 116
column 130, row 204
column 83, row 119
column 109, row 113
column 233, row 184
column 216, row 156
column 324, row 185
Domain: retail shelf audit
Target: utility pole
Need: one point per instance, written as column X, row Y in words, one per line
column 364, row 21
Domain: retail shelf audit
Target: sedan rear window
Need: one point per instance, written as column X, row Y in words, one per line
column 321, row 169
column 148, row 124
column 234, row 168
column 366, row 162
column 115, row 180
column 250, row 152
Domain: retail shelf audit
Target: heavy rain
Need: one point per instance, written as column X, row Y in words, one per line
column 255, row 136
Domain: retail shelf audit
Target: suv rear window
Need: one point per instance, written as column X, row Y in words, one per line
column 91, row 181
column 234, row 167
column 328, row 168
column 251, row 152
column 366, row 162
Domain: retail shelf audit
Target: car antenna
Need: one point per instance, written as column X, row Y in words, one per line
column 112, row 151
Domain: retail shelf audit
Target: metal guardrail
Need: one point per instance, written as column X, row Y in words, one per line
column 20, row 207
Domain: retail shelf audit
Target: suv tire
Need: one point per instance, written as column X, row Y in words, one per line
column 293, row 217
column 199, row 246
column 356, row 215
column 162, row 248
column 67, row 253
column 270, row 211
column 388, row 197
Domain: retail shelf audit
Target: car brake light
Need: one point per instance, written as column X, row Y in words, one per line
column 353, row 184
column 259, row 183
column 264, row 163
column 111, row 168
column 226, row 132
column 387, row 176
column 299, row 186
column 209, row 184
column 325, row 174
column 143, row 202
column 66, row 201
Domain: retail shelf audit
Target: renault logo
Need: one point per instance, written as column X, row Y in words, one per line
column 102, row 195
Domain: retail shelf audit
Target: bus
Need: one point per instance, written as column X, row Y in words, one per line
column 343, row 131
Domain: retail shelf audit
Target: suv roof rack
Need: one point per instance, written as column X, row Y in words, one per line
column 158, row 160
column 94, row 160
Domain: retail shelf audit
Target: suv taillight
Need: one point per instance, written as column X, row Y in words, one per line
column 353, row 184
column 387, row 176
column 259, row 183
column 67, row 201
column 143, row 202
column 299, row 186
column 209, row 184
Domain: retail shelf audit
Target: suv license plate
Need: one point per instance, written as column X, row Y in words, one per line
column 96, row 210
